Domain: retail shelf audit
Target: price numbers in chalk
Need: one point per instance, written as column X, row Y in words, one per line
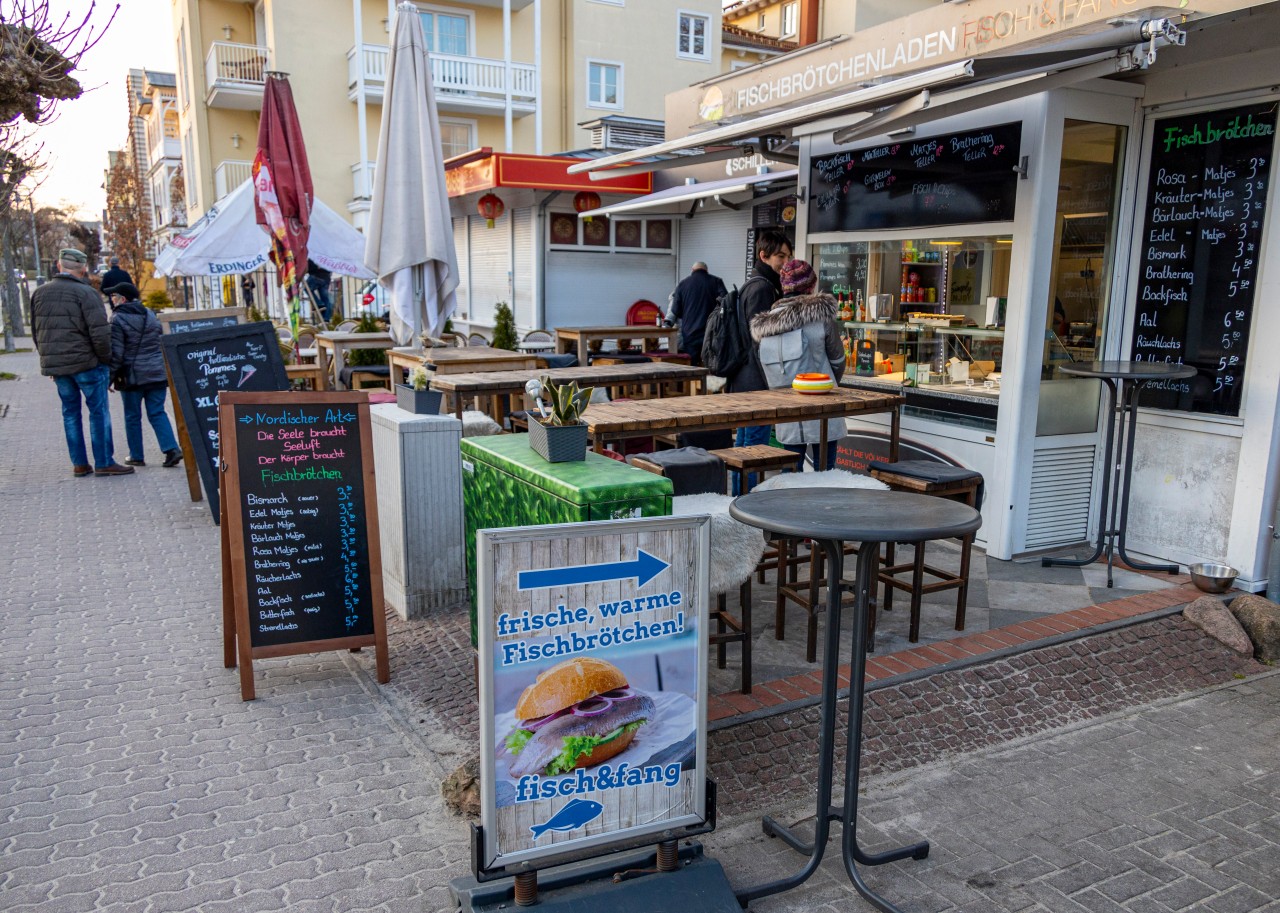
column 348, row 534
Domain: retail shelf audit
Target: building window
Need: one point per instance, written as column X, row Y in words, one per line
column 456, row 136
column 691, row 37
column 184, row 91
column 788, row 20
column 604, row 84
column 189, row 167
column 611, row 2
column 760, row 23
column 741, row 64
column 446, row 33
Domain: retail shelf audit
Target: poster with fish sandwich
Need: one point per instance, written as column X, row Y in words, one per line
column 592, row 684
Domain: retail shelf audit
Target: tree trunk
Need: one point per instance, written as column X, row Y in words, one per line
column 12, row 303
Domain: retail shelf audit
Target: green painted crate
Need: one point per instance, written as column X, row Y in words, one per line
column 504, row 483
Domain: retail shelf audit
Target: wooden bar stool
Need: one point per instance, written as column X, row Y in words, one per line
column 940, row 481
column 760, row 458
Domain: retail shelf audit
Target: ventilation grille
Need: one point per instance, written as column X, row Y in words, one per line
column 1061, row 492
column 615, row 136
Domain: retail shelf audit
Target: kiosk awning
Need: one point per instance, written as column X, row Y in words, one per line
column 675, row 198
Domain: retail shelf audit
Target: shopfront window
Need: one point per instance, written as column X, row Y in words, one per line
column 1083, row 253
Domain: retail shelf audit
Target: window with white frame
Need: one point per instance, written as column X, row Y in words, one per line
column 741, row 64
column 189, row 166
column 760, row 23
column 692, row 40
column 611, row 2
column 447, row 32
column 788, row 19
column 604, row 84
column 184, row 91
column 456, row 136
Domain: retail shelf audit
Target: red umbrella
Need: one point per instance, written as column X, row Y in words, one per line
column 282, row 190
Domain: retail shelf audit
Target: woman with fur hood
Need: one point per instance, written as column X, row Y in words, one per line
column 800, row 335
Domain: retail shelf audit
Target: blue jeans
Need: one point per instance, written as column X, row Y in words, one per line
column 153, row 396
column 799, row 451
column 749, row 437
column 320, row 292
column 92, row 384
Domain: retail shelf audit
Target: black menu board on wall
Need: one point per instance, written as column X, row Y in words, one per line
column 206, row 363
column 842, row 268
column 1200, row 247
column 942, row 180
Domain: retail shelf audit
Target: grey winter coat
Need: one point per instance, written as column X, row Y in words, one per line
column 800, row 335
column 756, row 296
column 135, row 342
column 69, row 326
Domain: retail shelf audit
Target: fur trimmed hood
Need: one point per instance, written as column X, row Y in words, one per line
column 793, row 313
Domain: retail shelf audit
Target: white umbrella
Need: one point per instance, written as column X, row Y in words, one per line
column 410, row 237
column 228, row 239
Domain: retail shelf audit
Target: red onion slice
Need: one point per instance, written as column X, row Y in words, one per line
column 535, row 725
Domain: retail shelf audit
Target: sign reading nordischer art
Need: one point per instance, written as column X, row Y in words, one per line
column 592, row 684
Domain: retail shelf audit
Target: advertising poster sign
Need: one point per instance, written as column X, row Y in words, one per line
column 592, row 684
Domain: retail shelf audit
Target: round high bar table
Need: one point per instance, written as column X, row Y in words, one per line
column 1124, row 381
column 831, row 517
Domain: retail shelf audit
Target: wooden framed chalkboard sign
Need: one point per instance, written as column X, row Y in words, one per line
column 1206, row 208
column 300, row 530
column 206, row 319
column 912, row 183
column 204, row 364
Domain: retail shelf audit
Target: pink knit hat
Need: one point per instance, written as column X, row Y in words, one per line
column 798, row 278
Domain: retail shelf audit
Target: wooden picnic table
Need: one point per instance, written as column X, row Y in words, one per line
column 608, row 422
column 335, row 345
column 660, row 377
column 579, row 339
column 459, row 360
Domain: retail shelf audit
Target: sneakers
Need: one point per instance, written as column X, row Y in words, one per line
column 132, row 462
column 81, row 471
column 172, row 457
column 115, row 469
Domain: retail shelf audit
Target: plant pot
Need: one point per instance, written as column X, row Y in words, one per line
column 419, row 402
column 558, row 443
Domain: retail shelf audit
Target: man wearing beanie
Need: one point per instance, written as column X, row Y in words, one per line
column 70, row 329
column 801, row 335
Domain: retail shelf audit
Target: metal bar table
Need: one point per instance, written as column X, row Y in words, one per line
column 831, row 517
column 1124, row 381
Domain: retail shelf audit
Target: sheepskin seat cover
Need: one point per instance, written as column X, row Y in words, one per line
column 735, row 547
column 831, row 478
column 477, row 424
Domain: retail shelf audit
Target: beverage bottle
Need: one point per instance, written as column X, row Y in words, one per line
column 862, row 309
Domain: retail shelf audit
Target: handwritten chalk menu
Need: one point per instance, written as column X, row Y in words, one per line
column 1200, row 246
column 842, row 268
column 943, row 180
column 207, row 363
column 208, row 319
column 301, row 524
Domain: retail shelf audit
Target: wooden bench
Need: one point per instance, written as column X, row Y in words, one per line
column 309, row 374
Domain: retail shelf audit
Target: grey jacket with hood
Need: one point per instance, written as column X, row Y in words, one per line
column 800, row 335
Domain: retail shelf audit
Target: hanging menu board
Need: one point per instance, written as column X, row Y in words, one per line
column 1200, row 246
column 301, row 525
column 207, row 363
column 208, row 319
column 916, row 183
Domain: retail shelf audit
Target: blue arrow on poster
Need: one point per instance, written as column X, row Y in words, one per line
column 644, row 569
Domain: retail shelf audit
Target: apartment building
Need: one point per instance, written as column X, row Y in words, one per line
column 154, row 131
column 522, row 76
column 806, row 21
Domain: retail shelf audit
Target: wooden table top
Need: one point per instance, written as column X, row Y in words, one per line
column 731, row 410
column 626, row 332
column 460, row 356
column 595, row 375
column 381, row 338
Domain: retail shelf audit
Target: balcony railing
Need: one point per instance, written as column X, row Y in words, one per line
column 229, row 175
column 462, row 83
column 235, row 74
column 358, row 191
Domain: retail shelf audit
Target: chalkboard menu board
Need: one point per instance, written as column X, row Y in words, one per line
column 207, row 363
column 942, row 180
column 1200, row 246
column 209, row 319
column 842, row 268
column 301, row 523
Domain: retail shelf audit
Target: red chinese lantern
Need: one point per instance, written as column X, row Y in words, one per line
column 585, row 201
column 491, row 207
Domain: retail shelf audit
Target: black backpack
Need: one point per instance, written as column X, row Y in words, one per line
column 726, row 345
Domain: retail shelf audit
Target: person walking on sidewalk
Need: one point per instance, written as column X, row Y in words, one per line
column 137, row 366
column 690, row 303
column 116, row 275
column 70, row 329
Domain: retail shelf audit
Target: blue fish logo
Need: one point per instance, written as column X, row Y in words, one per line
column 570, row 818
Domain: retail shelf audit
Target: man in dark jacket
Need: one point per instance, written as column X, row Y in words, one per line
column 757, row 296
column 318, row 281
column 691, row 302
column 135, row 347
column 115, row 275
column 70, row 329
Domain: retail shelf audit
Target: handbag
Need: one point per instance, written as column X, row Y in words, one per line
column 122, row 376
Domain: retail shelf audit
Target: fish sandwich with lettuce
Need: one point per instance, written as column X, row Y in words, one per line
column 578, row 713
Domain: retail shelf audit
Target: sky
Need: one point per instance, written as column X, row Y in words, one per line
column 76, row 143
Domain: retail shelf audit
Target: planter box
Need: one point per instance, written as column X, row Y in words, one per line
column 419, row 402
column 558, row 443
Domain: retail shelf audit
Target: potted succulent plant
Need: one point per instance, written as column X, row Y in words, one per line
column 561, row 435
column 415, row 397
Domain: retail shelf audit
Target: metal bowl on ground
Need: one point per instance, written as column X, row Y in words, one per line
column 1213, row 578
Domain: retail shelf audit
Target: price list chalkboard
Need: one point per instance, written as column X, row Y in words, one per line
column 942, row 180
column 842, row 268
column 302, row 522
column 210, row 319
column 1200, row 246
column 207, row 363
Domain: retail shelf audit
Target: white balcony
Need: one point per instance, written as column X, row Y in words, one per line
column 235, row 75
column 229, row 175
column 358, row 189
column 166, row 149
column 464, row 85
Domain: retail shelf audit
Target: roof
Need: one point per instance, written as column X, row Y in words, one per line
column 736, row 36
column 160, row 78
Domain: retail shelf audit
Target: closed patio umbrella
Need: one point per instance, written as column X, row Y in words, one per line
column 282, row 188
column 410, row 237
